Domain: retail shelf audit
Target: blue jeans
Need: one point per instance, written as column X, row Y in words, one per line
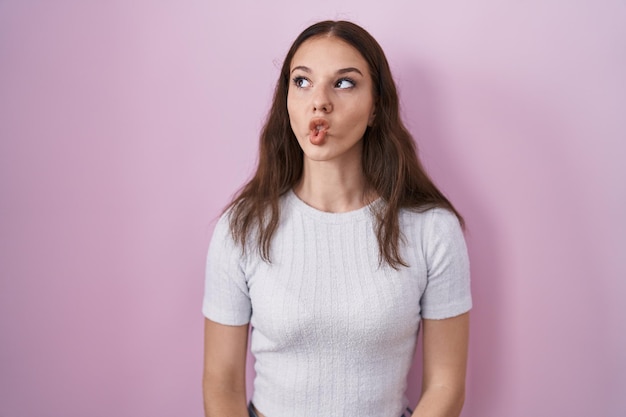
column 253, row 413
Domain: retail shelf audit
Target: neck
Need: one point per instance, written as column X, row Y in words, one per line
column 333, row 187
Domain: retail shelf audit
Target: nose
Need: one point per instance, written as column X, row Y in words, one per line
column 322, row 102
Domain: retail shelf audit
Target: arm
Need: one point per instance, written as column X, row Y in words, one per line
column 444, row 366
column 224, row 378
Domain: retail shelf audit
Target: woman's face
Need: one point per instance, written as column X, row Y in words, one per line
column 330, row 100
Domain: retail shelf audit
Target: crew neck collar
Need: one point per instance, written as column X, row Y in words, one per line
column 330, row 217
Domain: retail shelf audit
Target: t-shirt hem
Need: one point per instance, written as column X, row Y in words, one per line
column 221, row 318
column 447, row 311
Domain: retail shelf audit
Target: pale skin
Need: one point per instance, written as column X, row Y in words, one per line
column 331, row 81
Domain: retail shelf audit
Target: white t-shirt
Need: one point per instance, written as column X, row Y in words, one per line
column 334, row 332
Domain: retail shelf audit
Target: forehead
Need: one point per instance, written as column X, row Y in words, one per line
column 328, row 52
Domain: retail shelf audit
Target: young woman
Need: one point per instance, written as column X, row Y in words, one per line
column 336, row 252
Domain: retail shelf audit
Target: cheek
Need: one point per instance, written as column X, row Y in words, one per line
column 362, row 115
column 291, row 105
column 293, row 118
column 293, row 111
column 290, row 111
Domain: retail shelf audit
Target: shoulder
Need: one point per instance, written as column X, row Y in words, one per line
column 443, row 220
column 222, row 226
column 222, row 237
column 431, row 220
column 434, row 230
column 443, row 227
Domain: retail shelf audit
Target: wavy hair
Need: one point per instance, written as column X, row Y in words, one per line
column 390, row 163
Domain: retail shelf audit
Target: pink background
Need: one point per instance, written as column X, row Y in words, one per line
column 125, row 127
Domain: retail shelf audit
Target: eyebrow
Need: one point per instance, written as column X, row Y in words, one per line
column 340, row 71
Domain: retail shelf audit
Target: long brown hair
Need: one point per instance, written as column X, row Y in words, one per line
column 390, row 163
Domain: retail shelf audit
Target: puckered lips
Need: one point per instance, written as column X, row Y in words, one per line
column 317, row 131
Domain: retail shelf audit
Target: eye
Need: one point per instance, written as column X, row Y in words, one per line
column 345, row 83
column 301, row 82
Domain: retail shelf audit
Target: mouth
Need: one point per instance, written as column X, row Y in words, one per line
column 317, row 131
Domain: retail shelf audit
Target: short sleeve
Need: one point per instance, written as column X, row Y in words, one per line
column 447, row 292
column 226, row 297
